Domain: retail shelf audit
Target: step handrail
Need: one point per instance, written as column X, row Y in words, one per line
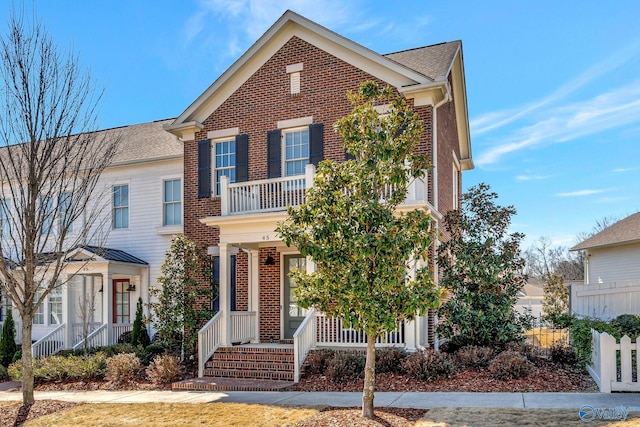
column 208, row 341
column 304, row 339
column 49, row 344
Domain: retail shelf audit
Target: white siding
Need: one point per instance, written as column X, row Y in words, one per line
column 614, row 264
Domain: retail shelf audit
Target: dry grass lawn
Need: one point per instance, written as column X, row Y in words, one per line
column 489, row 417
column 176, row 414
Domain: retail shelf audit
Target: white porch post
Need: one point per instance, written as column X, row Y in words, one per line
column 68, row 312
column 309, row 175
column 224, row 195
column 107, row 305
column 411, row 329
column 225, row 294
column 254, row 289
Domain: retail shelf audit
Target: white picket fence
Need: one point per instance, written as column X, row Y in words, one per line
column 605, row 300
column 609, row 372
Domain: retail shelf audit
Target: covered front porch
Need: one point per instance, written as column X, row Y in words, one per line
column 94, row 305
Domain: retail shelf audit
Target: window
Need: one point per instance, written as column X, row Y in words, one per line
column 172, row 202
column 55, row 306
column 215, row 285
column 5, row 307
column 65, row 207
column 121, row 303
column 46, row 211
column 224, row 163
column 5, row 211
column 121, row 206
column 38, row 317
column 296, row 151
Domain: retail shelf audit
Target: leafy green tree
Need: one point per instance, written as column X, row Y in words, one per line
column 555, row 302
column 139, row 335
column 176, row 307
column 8, row 346
column 481, row 268
column 350, row 226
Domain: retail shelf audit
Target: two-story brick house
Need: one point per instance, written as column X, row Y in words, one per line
column 252, row 139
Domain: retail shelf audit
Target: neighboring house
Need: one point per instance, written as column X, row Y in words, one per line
column 611, row 271
column 530, row 298
column 254, row 137
column 142, row 197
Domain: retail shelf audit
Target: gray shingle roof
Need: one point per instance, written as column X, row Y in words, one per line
column 432, row 61
column 626, row 230
column 115, row 255
column 146, row 142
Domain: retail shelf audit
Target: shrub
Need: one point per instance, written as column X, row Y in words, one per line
column 472, row 356
column 563, row 354
column 318, row 360
column 164, row 369
column 123, row 367
column 125, row 337
column 580, row 331
column 56, row 368
column 531, row 352
column 3, row 373
column 8, row 346
column 509, row 365
column 390, row 359
column 345, row 366
column 15, row 370
column 149, row 353
column 429, row 365
column 627, row 324
column 139, row 335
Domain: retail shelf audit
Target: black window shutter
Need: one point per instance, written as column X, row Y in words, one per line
column 242, row 158
column 315, row 143
column 273, row 154
column 204, row 168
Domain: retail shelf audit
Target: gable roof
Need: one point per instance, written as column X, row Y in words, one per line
column 146, row 142
column 417, row 73
column 433, row 61
column 625, row 231
column 106, row 254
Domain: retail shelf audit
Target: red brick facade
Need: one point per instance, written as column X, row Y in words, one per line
column 255, row 108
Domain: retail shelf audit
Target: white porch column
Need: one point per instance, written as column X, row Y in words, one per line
column 68, row 310
column 107, row 305
column 254, row 288
column 309, row 175
column 411, row 329
column 225, row 294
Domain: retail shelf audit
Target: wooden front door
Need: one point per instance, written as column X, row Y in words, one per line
column 293, row 315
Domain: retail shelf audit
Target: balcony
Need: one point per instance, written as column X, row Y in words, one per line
column 274, row 195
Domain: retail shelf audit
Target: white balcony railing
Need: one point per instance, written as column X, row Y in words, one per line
column 272, row 195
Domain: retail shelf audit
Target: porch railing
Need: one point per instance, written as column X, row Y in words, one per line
column 97, row 338
column 51, row 343
column 118, row 329
column 208, row 341
column 78, row 331
column 304, row 339
column 267, row 195
column 243, row 326
column 332, row 332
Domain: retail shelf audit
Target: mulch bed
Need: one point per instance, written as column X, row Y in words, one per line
column 546, row 378
column 351, row 417
column 15, row 414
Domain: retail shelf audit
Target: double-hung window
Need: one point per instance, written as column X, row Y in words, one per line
column 65, row 207
column 224, row 162
column 121, row 206
column 38, row 316
column 296, row 151
column 172, row 202
column 47, row 213
column 5, row 211
column 55, row 306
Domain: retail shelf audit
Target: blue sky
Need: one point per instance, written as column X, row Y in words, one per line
column 553, row 87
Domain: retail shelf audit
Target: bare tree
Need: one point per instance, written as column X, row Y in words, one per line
column 50, row 162
column 86, row 307
column 543, row 259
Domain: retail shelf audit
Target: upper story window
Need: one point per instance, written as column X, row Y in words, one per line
column 65, row 207
column 172, row 202
column 121, row 206
column 5, row 211
column 46, row 210
column 38, row 316
column 224, row 163
column 296, row 151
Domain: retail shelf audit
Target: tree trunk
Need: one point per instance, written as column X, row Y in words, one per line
column 27, row 362
column 369, row 377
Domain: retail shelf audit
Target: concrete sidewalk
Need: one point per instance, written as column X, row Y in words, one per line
column 395, row 399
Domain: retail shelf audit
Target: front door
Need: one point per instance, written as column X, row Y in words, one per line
column 293, row 315
column 121, row 301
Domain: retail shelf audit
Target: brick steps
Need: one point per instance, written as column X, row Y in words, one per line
column 254, row 361
column 229, row 384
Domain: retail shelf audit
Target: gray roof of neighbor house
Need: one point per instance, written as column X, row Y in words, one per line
column 626, row 230
column 146, row 142
column 114, row 255
column 432, row 61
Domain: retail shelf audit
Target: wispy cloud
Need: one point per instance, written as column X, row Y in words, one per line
column 622, row 170
column 580, row 193
column 498, row 119
column 532, row 177
column 613, row 109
